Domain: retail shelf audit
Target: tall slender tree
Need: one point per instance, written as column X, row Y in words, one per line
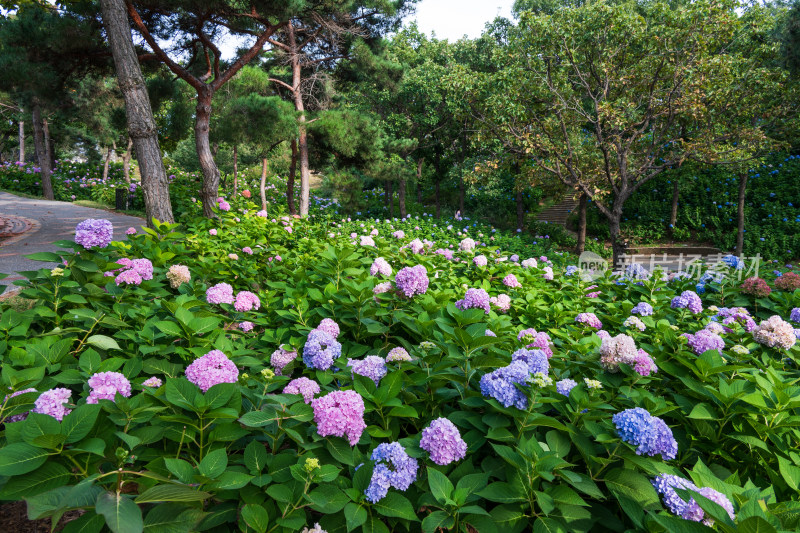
column 141, row 124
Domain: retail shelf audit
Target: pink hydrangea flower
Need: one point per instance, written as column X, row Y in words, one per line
column 442, row 440
column 221, row 293
column 246, row 301
column 211, row 369
column 247, row 250
column 212, row 231
column 511, row 281
column 153, row 382
column 106, row 385
column 307, row 387
column 54, row 403
column 341, row 414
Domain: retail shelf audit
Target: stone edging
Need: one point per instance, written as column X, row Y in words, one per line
column 23, row 227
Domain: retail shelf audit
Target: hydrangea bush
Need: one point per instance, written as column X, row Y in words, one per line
column 150, row 406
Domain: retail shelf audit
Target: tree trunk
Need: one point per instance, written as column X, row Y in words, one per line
column 210, row 190
column 21, row 141
column 461, row 188
column 263, row 186
column 105, row 164
column 235, row 169
column 618, row 245
column 401, row 197
column 290, row 181
column 302, row 144
column 436, row 199
column 51, row 144
column 582, row 204
column 390, row 194
column 141, row 125
column 40, row 143
column 520, row 210
column 740, row 214
column 420, row 161
column 126, row 162
column 673, row 214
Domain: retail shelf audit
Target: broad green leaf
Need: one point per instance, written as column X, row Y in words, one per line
column 256, row 517
column 79, row 422
column 396, row 505
column 441, row 487
column 20, row 458
column 214, row 463
column 171, row 493
column 103, row 342
column 121, row 514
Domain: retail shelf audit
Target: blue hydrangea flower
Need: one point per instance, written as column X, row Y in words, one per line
column 401, row 475
column 501, row 384
column 321, row 350
column 565, row 385
column 535, row 359
column 642, row 309
column 648, row 433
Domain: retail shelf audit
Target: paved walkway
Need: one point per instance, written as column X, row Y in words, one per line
column 32, row 225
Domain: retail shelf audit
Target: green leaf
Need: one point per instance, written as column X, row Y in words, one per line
column 180, row 469
column 354, row 515
column 256, row 419
column 219, row 394
column 256, row 517
column 441, row 487
column 172, row 518
column 48, row 476
column 790, row 473
column 121, row 514
column 170, row 328
column 37, row 425
column 214, row 463
column 230, row 481
column 88, row 523
column 180, row 392
column 396, row 505
column 435, row 520
column 172, row 493
column 255, row 456
column 327, row 499
column 502, row 492
column 79, row 422
column 20, row 458
column 548, row 525
column 103, row 342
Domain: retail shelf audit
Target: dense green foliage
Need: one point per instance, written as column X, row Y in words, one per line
column 707, row 208
column 242, row 455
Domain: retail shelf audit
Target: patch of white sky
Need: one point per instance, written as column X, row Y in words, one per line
column 446, row 19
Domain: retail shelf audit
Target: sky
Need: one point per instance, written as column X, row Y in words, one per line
column 452, row 19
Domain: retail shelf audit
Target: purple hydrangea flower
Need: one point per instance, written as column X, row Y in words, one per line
column 143, row 267
column 501, row 384
column 490, row 333
column 704, row 340
column 321, row 350
column 474, row 299
column 94, row 233
column 643, row 364
column 480, row 260
column 502, row 302
column 794, row 316
column 536, row 360
column 393, row 468
column 280, row 358
column 536, row 339
column 412, row 280
column 246, row 326
column 665, row 485
column 589, row 319
column 106, row 385
column 21, row 416
column 565, row 385
column 246, row 301
column 53, row 402
column 372, row 366
column 307, row 387
column 443, row 442
column 688, row 300
column 128, row 277
column 398, row 354
column 330, row 327
column 221, row 293
column 642, row 309
column 648, row 433
column 153, row 382
column 211, row 369
column 340, row 413
column 380, row 266
column 511, row 281
column 571, row 270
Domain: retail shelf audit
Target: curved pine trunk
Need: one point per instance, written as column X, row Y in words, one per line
column 210, row 190
column 141, row 124
column 582, row 205
column 290, row 181
column 40, row 142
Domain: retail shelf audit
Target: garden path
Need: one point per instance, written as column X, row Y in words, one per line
column 30, row 225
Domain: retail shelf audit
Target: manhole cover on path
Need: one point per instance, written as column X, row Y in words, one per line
column 14, row 227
